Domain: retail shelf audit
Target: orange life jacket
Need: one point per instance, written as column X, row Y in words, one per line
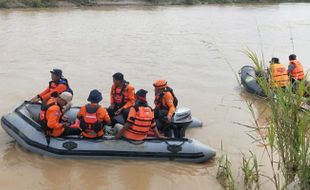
column 91, row 127
column 142, row 123
column 118, row 95
column 298, row 72
column 52, row 85
column 159, row 99
column 279, row 75
column 42, row 115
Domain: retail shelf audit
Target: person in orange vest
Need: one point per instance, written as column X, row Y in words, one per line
column 165, row 105
column 140, row 120
column 278, row 73
column 295, row 69
column 56, row 86
column 93, row 117
column 51, row 117
column 122, row 97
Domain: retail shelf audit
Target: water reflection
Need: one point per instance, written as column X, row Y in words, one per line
column 94, row 174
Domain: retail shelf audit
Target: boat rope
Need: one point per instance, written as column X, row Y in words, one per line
column 174, row 148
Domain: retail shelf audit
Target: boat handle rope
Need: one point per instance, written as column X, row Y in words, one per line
column 174, row 148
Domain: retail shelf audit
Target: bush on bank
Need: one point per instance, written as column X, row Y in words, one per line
column 57, row 3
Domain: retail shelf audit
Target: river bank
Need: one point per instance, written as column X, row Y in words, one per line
column 195, row 48
column 73, row 3
column 99, row 3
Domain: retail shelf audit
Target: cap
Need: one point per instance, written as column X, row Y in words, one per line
column 141, row 94
column 57, row 72
column 94, row 96
column 118, row 76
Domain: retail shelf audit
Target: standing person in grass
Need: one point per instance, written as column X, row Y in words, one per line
column 278, row 73
column 295, row 69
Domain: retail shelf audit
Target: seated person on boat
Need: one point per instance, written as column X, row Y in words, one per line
column 93, row 117
column 165, row 105
column 56, row 86
column 51, row 117
column 140, row 120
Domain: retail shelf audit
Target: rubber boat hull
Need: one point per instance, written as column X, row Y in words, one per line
column 21, row 125
column 248, row 80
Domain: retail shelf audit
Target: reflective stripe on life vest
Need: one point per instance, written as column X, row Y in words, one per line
column 91, row 127
column 141, row 125
column 91, row 114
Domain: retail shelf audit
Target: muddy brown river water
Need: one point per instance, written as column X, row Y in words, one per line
column 198, row 49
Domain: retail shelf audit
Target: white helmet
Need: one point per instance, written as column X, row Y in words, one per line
column 66, row 96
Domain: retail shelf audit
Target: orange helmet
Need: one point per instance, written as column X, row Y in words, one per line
column 160, row 84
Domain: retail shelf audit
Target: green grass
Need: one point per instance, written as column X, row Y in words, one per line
column 251, row 173
column 259, row 65
column 40, row 3
column 224, row 173
column 83, row 2
column 288, row 131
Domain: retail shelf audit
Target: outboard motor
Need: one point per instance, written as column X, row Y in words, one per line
column 182, row 115
column 181, row 119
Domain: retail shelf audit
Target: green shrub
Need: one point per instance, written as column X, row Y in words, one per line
column 40, row 3
column 3, row 3
column 191, row 2
column 83, row 2
column 49, row 3
column 33, row 3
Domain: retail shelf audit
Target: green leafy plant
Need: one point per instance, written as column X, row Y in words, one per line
column 250, row 170
column 287, row 142
column 224, row 173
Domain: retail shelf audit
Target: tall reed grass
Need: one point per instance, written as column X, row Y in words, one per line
column 287, row 142
column 224, row 173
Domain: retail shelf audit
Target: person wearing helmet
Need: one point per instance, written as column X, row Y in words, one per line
column 122, row 96
column 165, row 104
column 56, row 86
column 93, row 117
column 51, row 114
